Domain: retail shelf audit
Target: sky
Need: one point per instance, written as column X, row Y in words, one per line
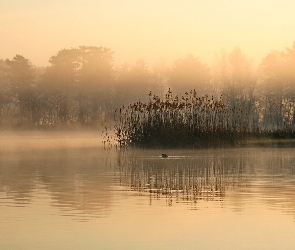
column 154, row 30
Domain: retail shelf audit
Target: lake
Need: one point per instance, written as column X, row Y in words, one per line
column 64, row 191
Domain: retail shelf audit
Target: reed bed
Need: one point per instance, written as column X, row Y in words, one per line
column 193, row 121
column 186, row 121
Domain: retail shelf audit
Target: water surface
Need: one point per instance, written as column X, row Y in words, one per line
column 63, row 191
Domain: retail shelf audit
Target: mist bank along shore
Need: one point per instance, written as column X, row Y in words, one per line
column 54, row 139
column 82, row 87
column 187, row 105
column 35, row 139
column 269, row 142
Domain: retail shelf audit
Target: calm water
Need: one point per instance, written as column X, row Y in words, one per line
column 63, row 191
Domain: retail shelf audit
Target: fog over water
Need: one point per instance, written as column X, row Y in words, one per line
column 83, row 89
column 30, row 140
column 80, row 196
column 159, row 45
column 93, row 94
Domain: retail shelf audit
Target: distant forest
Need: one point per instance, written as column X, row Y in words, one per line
column 82, row 87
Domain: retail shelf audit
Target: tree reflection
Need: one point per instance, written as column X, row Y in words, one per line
column 84, row 183
column 76, row 181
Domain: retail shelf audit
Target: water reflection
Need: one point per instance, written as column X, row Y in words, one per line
column 181, row 178
column 78, row 181
column 234, row 176
column 84, row 197
column 86, row 182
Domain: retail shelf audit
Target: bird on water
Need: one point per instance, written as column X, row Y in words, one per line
column 164, row 156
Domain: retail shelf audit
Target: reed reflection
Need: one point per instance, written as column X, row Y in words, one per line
column 86, row 182
column 181, row 178
column 234, row 176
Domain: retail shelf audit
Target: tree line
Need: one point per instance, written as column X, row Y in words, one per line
column 82, row 87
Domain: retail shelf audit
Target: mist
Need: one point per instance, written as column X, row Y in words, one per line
column 82, row 87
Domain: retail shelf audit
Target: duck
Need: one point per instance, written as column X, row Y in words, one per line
column 164, row 155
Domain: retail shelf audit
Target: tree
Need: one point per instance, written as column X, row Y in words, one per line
column 234, row 78
column 187, row 74
column 77, row 84
column 289, row 71
column 59, row 79
column 133, row 83
column 95, row 83
column 277, row 79
column 4, row 89
column 21, row 78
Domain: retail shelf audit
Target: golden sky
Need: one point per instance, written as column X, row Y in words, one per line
column 149, row 29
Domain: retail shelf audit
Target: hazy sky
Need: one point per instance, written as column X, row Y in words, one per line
column 148, row 29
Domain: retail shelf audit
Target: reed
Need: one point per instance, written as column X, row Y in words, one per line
column 186, row 121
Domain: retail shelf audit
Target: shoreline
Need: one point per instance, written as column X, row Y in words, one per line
column 269, row 142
